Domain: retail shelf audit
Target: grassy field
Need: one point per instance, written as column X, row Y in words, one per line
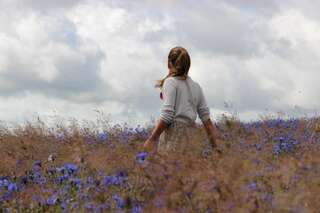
column 271, row 165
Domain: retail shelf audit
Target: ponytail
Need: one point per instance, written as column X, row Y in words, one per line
column 179, row 61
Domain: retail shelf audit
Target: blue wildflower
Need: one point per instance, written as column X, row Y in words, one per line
column 4, row 181
column 123, row 137
column 103, row 136
column 60, row 169
column 284, row 144
column 136, row 209
column 36, row 177
column 71, row 168
column 12, row 187
column 67, row 169
column 90, row 206
column 158, row 203
column 36, row 165
column 60, row 136
column 269, row 168
column 83, row 196
column 6, row 197
column 252, row 185
column 115, row 179
column 140, row 157
column 89, row 180
column 74, row 205
column 206, row 151
column 75, row 182
column 101, row 208
column 139, row 129
column 307, row 167
column 64, row 206
column 38, row 199
column 62, row 178
column 52, row 199
column 256, row 161
column 119, row 201
column 18, row 162
column 267, row 197
column 110, row 179
column 258, row 147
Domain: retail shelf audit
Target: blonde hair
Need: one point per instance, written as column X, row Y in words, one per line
column 179, row 61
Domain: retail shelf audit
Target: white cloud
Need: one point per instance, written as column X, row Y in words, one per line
column 110, row 53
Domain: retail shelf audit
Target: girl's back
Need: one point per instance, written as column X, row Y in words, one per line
column 183, row 100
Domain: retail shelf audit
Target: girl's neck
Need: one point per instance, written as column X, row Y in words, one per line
column 184, row 77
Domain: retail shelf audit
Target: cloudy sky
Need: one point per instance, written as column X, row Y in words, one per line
column 71, row 57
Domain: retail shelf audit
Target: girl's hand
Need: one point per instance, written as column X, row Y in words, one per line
column 214, row 146
column 149, row 145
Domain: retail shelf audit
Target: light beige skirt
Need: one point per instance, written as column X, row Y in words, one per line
column 176, row 138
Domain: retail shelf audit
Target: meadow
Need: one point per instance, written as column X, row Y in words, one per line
column 270, row 165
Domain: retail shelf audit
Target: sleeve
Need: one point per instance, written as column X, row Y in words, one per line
column 202, row 109
column 169, row 92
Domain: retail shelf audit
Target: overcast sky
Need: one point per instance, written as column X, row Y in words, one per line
column 70, row 57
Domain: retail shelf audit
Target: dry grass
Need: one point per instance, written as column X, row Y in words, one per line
column 251, row 175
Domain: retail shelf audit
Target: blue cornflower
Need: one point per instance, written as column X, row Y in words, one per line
column 90, row 206
column 110, row 179
column 258, row 147
column 136, row 209
column 62, row 178
column 38, row 199
column 74, row 205
column 75, row 182
column 60, row 136
column 52, row 199
column 115, row 179
column 36, row 177
column 89, row 180
column 267, row 197
column 284, row 144
column 158, row 203
column 252, row 185
column 123, row 175
column 119, row 201
column 67, row 169
column 123, row 137
column 4, row 181
column 64, row 206
column 36, row 165
column 103, row 136
column 60, row 169
column 256, row 161
column 12, row 187
column 101, row 208
column 140, row 157
column 71, row 168
column 269, row 168
column 5, row 197
column 139, row 129
column 83, row 197
column 206, row 151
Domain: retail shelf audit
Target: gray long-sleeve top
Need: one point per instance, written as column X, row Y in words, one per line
column 177, row 101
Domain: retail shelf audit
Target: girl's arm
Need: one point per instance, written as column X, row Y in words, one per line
column 167, row 111
column 161, row 125
column 211, row 132
column 204, row 114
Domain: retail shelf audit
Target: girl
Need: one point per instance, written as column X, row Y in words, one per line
column 182, row 100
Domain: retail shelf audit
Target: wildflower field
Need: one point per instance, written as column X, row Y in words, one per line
column 271, row 165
